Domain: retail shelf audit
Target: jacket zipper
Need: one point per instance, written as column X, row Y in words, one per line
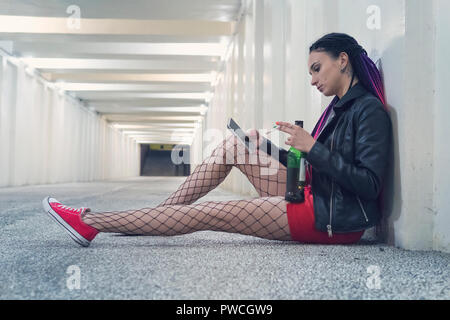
column 329, row 229
column 362, row 208
column 330, row 232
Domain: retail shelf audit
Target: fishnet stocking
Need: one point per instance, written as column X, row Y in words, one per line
column 262, row 217
column 266, row 173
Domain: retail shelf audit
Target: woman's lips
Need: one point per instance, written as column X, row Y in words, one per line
column 320, row 88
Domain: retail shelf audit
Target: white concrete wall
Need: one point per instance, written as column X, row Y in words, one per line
column 46, row 137
column 441, row 156
column 265, row 79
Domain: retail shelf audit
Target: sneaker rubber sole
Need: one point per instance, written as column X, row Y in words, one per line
column 78, row 238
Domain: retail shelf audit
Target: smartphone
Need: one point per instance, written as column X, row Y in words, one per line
column 266, row 145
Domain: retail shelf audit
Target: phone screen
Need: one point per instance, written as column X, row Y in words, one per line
column 233, row 126
column 265, row 144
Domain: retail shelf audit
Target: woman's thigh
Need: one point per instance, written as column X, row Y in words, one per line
column 264, row 217
column 267, row 175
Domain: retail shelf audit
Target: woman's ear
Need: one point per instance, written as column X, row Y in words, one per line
column 343, row 59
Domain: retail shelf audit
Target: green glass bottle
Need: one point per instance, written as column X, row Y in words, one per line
column 295, row 180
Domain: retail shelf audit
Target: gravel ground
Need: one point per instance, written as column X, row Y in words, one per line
column 39, row 261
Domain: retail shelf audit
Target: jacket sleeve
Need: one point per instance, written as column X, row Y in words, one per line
column 363, row 176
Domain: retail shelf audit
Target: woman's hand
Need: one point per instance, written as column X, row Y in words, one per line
column 299, row 139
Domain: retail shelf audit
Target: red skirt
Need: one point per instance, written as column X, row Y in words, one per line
column 301, row 224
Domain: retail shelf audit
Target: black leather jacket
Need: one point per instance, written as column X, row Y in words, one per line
column 349, row 161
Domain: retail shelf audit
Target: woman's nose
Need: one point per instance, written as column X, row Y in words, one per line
column 313, row 81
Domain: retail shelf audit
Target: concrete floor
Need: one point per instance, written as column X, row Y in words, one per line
column 36, row 256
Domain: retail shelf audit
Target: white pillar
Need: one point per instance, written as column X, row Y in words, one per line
column 441, row 158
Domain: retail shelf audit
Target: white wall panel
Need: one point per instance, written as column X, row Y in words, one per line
column 441, row 158
column 46, row 137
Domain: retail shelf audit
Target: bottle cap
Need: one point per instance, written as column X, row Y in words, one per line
column 299, row 123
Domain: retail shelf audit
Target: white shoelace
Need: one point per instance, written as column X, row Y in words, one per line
column 70, row 209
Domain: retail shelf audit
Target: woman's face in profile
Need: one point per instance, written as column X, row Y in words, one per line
column 325, row 72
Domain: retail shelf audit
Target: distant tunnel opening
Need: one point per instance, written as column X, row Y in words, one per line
column 157, row 160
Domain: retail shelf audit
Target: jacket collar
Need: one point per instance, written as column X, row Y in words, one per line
column 356, row 91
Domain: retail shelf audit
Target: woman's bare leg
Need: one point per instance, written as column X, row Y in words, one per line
column 266, row 174
column 262, row 217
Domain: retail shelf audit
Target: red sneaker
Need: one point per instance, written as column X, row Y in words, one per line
column 70, row 219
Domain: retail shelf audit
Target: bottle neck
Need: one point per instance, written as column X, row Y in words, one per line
column 296, row 151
